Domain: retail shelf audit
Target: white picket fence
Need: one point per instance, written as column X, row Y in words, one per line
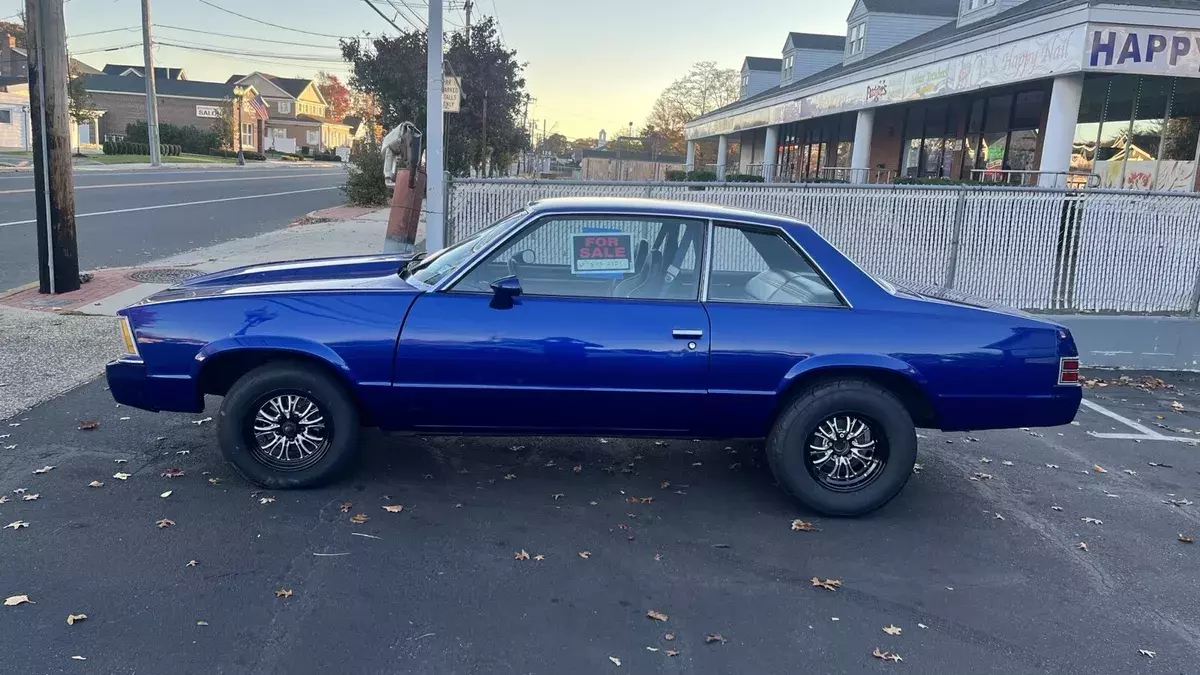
column 1042, row 250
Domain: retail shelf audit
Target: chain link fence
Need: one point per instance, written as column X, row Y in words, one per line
column 1037, row 249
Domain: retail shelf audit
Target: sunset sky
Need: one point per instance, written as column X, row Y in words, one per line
column 591, row 65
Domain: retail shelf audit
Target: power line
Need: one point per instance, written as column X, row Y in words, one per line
column 301, row 58
column 106, row 49
column 241, row 58
column 422, row 26
column 496, row 14
column 385, row 16
column 273, row 25
column 101, row 32
column 244, row 37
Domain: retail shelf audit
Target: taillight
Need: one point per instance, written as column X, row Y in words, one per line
column 1068, row 370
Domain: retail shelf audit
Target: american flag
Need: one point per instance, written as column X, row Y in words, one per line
column 260, row 106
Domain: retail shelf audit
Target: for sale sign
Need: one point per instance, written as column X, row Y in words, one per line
column 601, row 253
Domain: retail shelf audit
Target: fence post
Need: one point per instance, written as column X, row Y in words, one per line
column 650, row 190
column 447, row 216
column 960, row 210
column 1195, row 297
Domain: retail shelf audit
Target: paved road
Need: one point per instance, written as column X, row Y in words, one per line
column 144, row 215
column 436, row 589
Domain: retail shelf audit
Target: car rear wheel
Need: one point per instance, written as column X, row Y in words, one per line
column 288, row 425
column 843, row 448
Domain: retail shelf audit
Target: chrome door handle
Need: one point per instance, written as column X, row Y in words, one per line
column 687, row 334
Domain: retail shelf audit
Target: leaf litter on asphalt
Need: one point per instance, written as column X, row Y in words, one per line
column 585, row 554
column 89, row 425
column 72, row 618
column 16, row 525
column 892, row 630
column 521, row 555
column 656, row 615
column 44, row 469
column 1092, row 521
column 121, row 475
column 391, row 508
column 804, row 526
column 95, row 484
column 165, row 522
column 827, row 584
column 886, row 656
column 14, row 600
column 30, row 498
column 615, row 660
column 283, row 593
column 714, row 637
column 346, row 506
column 1147, row 653
column 172, row 472
column 359, row 518
column 1187, row 539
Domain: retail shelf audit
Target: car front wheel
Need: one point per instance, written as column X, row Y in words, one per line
column 288, row 425
column 843, row 448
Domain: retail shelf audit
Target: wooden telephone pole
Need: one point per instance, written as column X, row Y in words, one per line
column 54, row 188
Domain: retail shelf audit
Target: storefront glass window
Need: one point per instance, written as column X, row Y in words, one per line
column 1177, row 168
column 1087, row 130
column 1141, row 147
column 998, row 111
column 1022, row 150
column 1027, row 110
column 914, row 126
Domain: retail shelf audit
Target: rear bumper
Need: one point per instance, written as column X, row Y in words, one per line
column 1010, row 412
column 131, row 386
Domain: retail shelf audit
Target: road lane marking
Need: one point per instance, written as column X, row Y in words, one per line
column 170, row 206
column 170, row 182
column 1147, row 434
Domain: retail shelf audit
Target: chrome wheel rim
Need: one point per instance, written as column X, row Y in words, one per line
column 289, row 431
column 846, row 452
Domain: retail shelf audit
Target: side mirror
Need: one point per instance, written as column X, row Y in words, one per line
column 504, row 290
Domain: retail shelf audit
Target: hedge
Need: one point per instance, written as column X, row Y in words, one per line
column 248, row 154
column 327, row 157
column 128, row 148
column 188, row 138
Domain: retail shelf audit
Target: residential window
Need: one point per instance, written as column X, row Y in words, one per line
column 277, row 132
column 5, row 117
column 312, row 137
column 598, row 257
column 745, row 84
column 973, row 5
column 857, row 39
column 759, row 267
column 248, row 135
column 789, row 63
column 285, row 107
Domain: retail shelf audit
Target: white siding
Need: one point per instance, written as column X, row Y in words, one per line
column 14, row 134
column 968, row 16
column 888, row 30
column 809, row 61
column 760, row 81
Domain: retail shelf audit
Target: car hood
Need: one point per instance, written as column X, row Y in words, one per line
column 374, row 272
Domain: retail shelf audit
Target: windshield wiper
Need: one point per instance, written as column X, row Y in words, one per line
column 406, row 267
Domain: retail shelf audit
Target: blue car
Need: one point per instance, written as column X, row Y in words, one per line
column 613, row 317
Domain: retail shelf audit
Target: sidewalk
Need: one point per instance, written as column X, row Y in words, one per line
column 50, row 344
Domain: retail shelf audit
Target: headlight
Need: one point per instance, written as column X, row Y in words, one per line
column 131, row 350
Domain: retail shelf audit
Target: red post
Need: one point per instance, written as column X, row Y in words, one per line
column 406, row 212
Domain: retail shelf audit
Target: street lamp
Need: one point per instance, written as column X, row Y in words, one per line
column 238, row 92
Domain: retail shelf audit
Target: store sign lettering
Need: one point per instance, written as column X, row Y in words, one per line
column 1122, row 47
column 877, row 92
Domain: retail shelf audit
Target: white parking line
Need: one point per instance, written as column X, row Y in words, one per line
column 1147, row 434
column 171, row 206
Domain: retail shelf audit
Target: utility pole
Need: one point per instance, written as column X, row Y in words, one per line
column 151, row 95
column 487, row 155
column 435, row 204
column 467, row 8
column 54, row 189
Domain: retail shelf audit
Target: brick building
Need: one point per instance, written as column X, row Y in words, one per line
column 180, row 102
column 297, row 114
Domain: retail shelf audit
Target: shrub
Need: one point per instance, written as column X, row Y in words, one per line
column 676, row 175
column 364, row 174
column 188, row 138
column 327, row 157
column 305, row 150
column 743, row 178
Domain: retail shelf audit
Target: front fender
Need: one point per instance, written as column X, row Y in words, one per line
column 273, row 343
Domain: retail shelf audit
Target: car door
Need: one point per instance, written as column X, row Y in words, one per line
column 607, row 336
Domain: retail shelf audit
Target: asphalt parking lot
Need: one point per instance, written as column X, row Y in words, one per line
column 981, row 576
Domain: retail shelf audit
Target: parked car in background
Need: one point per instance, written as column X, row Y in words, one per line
column 597, row 317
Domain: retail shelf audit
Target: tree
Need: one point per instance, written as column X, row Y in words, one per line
column 225, row 126
column 584, row 144
column 392, row 69
column 79, row 101
column 16, row 30
column 703, row 89
column 555, row 144
column 336, row 95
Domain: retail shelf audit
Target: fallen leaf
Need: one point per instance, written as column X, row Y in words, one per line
column 603, row 440
column 658, row 557
column 615, row 660
column 1082, row 546
column 164, row 523
column 79, row 658
column 88, row 425
column 714, row 637
column 978, row 476
column 165, row 494
column 1099, row 469
column 201, row 623
column 651, row 649
column 1146, row 653
column 16, row 525
column 121, row 461
column 214, row 481
column 985, row 460
column 14, row 600
column 720, row 545
column 1006, row 463
column 886, row 656
column 577, row 468
column 95, row 483
column 201, row 421
column 192, row 563
column 4, row 498
column 999, row 517
column 19, row 491
column 30, row 498
column 172, row 472
column 183, row 452
column 509, row 476
column 346, row 506
column 359, row 518
column 1177, row 406
column 1051, row 466
column 1131, row 472
column 921, row 625
column 893, row 630
column 671, row 652
column 1187, row 539
column 539, row 557
column 917, row 467
column 656, row 615
column 828, row 584
column 1056, row 508
column 44, row 469
column 393, row 508
column 267, row 500
column 283, row 593
column 1093, row 521
column 557, row 496
column 72, row 618
column 664, row 485
column 640, row 500
column 121, row 476
column 585, row 554
column 669, row 636
column 593, row 503
column 521, row 555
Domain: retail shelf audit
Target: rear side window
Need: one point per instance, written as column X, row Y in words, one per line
column 760, row 267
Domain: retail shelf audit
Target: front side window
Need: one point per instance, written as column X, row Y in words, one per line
column 761, row 267
column 427, row 270
column 598, row 256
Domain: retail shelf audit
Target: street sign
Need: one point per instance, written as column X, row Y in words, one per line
column 451, row 93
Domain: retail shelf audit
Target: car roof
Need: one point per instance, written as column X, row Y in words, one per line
column 659, row 207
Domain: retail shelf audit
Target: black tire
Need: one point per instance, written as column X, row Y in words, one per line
column 283, row 378
column 788, row 453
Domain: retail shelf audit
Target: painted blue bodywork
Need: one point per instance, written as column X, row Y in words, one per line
column 439, row 360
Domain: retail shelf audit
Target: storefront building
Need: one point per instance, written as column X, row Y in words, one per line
column 1100, row 93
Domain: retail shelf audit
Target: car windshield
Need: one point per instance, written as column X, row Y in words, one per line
column 434, row 267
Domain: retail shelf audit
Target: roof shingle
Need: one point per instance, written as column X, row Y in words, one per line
column 817, row 41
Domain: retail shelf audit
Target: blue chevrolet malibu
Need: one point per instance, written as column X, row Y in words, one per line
column 613, row 317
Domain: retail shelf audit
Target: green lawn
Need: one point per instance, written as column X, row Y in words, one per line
column 184, row 158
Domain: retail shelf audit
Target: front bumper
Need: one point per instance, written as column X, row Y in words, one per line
column 131, row 386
